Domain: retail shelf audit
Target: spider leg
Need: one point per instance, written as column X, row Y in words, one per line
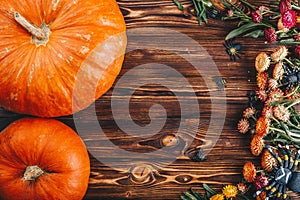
column 279, row 160
column 284, row 196
column 280, row 191
column 296, row 161
column 286, row 154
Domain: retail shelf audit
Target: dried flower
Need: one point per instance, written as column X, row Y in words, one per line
column 249, row 112
column 281, row 113
column 262, row 80
column 242, row 188
column 275, row 95
column 256, row 16
column 281, row 27
column 217, row 197
column 267, row 112
column 249, row 172
column 279, row 54
column 230, row 13
column 285, row 5
column 243, row 126
column 262, row 62
column 256, row 145
column 289, row 19
column 272, row 83
column 260, row 182
column 268, row 161
column 262, row 126
column 278, row 71
column 270, row 35
column 230, row 191
column 297, row 51
column 262, row 95
column 261, row 196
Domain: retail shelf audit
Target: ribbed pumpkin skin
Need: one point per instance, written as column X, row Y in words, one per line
column 39, row 80
column 52, row 146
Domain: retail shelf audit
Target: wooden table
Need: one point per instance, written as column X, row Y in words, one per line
column 150, row 173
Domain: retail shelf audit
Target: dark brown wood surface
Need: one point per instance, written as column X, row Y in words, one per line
column 142, row 177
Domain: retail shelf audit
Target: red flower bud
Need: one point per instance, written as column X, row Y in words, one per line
column 256, row 16
column 285, row 5
column 289, row 19
column 270, row 35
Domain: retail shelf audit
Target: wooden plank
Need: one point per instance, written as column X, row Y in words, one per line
column 159, row 179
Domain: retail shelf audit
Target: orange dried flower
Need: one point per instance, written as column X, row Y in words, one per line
column 262, row 95
column 256, row 145
column 278, row 71
column 261, row 196
column 279, row 54
column 268, row 161
column 262, row 62
column 262, row 126
column 249, row 172
column 262, row 80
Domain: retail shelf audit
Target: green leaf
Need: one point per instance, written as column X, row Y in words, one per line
column 178, row 4
column 255, row 34
column 190, row 196
column 244, row 28
column 183, row 198
column 208, row 189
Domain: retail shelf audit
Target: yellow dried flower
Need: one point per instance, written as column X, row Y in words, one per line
column 262, row 62
column 230, row 191
column 217, row 197
column 279, row 54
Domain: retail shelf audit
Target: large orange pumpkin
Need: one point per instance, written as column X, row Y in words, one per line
column 42, row 159
column 49, row 47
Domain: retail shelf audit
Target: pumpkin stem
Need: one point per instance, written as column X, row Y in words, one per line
column 32, row 173
column 40, row 35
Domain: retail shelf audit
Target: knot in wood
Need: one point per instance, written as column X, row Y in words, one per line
column 169, row 140
column 142, row 174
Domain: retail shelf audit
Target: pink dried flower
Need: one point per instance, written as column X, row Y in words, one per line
column 243, row 126
column 270, row 35
column 285, row 5
column 281, row 113
column 272, row 83
column 249, row 112
column 275, row 95
column 267, row 112
column 260, row 182
column 289, row 19
column 256, row 16
column 229, row 13
column 242, row 188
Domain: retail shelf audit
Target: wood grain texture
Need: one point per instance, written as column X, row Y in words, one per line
column 141, row 176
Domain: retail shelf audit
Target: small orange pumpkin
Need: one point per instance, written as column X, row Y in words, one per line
column 42, row 159
column 49, row 48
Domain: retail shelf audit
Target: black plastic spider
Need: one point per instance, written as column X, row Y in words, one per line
column 283, row 176
column 291, row 77
column 232, row 49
